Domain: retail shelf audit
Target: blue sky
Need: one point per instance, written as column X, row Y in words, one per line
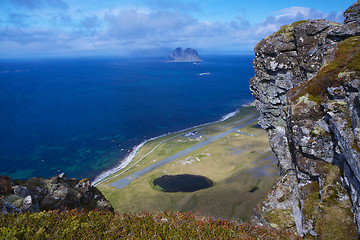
column 135, row 27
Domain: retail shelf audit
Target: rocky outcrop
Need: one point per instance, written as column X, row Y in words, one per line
column 56, row 193
column 306, row 85
column 179, row 55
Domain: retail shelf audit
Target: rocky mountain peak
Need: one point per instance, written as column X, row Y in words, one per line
column 179, row 55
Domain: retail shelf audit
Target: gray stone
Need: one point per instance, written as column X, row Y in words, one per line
column 21, row 191
column 352, row 14
column 26, row 203
column 309, row 135
column 39, row 194
column 6, row 208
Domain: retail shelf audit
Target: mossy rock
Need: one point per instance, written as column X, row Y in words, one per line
column 312, row 200
column 33, row 183
column 336, row 223
column 317, row 131
column 356, row 145
column 12, row 198
column 331, row 211
column 281, row 218
column 306, row 107
column 316, row 99
column 329, row 172
column 288, row 29
column 347, row 58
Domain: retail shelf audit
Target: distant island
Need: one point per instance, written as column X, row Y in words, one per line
column 179, row 55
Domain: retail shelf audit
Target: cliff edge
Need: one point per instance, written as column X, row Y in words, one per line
column 306, row 85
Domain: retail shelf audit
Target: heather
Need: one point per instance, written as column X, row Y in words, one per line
column 107, row 225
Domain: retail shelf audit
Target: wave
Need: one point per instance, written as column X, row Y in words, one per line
column 124, row 163
column 205, row 73
column 229, row 115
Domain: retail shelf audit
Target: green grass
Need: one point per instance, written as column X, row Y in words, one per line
column 290, row 28
column 107, row 225
column 347, row 59
column 233, row 175
column 169, row 145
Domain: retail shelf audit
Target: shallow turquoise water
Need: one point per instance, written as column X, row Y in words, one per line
column 82, row 116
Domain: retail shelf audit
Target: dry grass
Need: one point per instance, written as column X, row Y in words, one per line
column 107, row 225
column 235, row 163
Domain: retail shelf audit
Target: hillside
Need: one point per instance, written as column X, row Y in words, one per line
column 307, row 89
column 107, row 225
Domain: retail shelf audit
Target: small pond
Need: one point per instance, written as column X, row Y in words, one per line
column 182, row 183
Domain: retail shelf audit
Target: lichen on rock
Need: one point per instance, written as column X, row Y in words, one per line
column 307, row 87
column 56, row 193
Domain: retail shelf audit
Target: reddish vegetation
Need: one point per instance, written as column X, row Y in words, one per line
column 107, row 225
column 347, row 57
column 5, row 186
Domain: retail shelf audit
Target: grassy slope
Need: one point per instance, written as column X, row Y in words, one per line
column 106, row 225
column 236, row 164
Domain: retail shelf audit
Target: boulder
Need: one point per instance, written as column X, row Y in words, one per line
column 56, row 193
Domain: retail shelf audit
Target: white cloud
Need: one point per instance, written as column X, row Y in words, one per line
column 293, row 14
column 118, row 31
column 131, row 23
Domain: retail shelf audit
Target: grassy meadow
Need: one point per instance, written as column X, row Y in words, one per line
column 242, row 167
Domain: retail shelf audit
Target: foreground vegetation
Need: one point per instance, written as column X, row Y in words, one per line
column 107, row 225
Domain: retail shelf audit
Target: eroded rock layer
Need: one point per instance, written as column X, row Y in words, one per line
column 306, row 85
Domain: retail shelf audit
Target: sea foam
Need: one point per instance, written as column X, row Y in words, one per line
column 229, row 115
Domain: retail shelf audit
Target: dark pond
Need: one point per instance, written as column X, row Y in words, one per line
column 182, row 183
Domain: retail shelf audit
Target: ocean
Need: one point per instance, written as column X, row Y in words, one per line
column 82, row 116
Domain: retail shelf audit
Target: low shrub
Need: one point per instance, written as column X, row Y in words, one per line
column 106, row 225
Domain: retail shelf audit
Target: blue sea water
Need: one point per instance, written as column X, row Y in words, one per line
column 82, row 116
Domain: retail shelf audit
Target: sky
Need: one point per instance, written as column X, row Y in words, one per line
column 36, row 28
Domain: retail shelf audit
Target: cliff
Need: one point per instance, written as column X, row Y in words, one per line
column 56, row 193
column 306, row 85
column 179, row 55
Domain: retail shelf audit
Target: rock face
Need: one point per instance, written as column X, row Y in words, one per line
column 306, row 85
column 38, row 194
column 179, row 55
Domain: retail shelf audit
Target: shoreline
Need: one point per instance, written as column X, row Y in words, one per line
column 125, row 181
column 241, row 164
column 128, row 159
